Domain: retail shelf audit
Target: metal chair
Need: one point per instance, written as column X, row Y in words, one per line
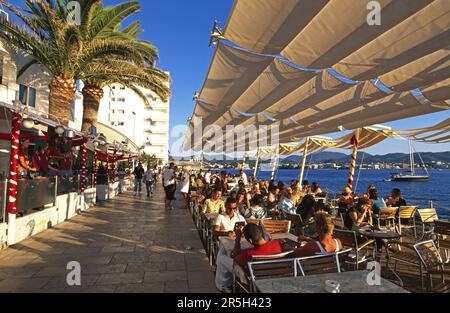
column 271, row 269
column 322, row 264
column 432, row 263
column 349, row 239
column 407, row 213
column 387, row 215
column 427, row 218
column 442, row 232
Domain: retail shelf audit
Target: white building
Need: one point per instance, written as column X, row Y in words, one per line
column 148, row 126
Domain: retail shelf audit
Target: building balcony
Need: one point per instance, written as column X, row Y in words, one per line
column 157, row 130
column 158, row 118
column 157, row 143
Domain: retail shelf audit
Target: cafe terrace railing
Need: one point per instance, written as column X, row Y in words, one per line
column 31, row 194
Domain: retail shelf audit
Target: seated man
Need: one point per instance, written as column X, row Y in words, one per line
column 256, row 211
column 326, row 243
column 225, row 264
column 224, row 226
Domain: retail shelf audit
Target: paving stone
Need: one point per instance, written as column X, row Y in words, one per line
column 129, row 244
column 120, row 278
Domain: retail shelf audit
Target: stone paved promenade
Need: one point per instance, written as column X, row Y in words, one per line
column 129, row 244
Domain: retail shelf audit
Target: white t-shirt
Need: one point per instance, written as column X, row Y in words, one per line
column 168, row 177
column 244, row 178
column 185, row 186
column 149, row 175
column 227, row 225
column 208, row 178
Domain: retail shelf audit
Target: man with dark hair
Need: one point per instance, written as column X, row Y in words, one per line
column 225, row 223
column 254, row 235
column 256, row 211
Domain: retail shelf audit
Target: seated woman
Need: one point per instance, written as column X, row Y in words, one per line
column 347, row 197
column 215, row 204
column 25, row 167
column 242, row 202
column 377, row 202
column 315, row 189
column 326, row 243
column 256, row 211
column 306, row 208
column 396, row 199
column 358, row 217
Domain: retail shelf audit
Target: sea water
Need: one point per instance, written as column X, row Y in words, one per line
column 415, row 193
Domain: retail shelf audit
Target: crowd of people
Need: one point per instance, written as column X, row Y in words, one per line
column 43, row 159
column 235, row 199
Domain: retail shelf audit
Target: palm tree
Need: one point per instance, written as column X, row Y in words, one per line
column 105, row 72
column 64, row 49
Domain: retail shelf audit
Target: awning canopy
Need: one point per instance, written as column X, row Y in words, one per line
column 367, row 137
column 312, row 67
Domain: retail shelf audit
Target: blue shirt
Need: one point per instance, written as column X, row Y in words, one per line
column 378, row 205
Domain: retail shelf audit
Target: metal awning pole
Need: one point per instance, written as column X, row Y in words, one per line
column 302, row 169
column 275, row 164
column 255, row 172
column 13, row 178
column 355, row 142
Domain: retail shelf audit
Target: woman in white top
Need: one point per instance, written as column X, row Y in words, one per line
column 326, row 243
column 185, row 179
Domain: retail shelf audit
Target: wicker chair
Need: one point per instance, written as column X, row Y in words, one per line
column 432, row 263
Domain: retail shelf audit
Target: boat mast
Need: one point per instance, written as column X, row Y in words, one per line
column 411, row 158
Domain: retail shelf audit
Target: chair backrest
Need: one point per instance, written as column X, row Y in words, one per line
column 284, row 255
column 388, row 213
column 347, row 237
column 272, row 269
column 407, row 212
column 428, row 254
column 254, row 221
column 428, row 215
column 442, row 228
column 296, row 220
column 274, row 227
column 321, row 264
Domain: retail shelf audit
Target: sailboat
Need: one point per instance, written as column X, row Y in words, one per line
column 411, row 176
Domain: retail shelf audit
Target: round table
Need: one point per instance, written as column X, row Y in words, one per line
column 377, row 234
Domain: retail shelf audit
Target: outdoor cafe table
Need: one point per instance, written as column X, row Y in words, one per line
column 379, row 234
column 227, row 243
column 350, row 282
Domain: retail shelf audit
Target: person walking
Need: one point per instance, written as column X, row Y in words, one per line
column 169, row 181
column 138, row 175
column 149, row 181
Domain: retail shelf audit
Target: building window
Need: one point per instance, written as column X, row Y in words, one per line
column 120, row 124
column 120, row 99
column 27, row 95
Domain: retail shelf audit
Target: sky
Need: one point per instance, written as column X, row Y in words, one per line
column 180, row 29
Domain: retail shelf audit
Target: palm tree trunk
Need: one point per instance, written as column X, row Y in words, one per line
column 91, row 101
column 62, row 94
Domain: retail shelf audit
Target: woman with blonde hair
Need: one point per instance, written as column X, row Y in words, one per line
column 326, row 243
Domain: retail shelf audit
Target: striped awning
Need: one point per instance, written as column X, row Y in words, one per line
column 313, row 67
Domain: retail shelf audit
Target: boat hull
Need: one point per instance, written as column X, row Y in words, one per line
column 410, row 178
